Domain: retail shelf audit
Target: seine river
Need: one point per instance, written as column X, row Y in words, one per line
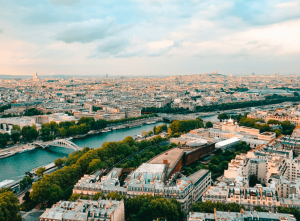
column 15, row 166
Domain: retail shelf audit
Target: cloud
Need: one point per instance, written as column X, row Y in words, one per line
column 65, row 2
column 91, row 30
column 110, row 47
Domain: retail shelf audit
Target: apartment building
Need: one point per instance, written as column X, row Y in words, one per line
column 149, row 179
column 83, row 210
column 243, row 215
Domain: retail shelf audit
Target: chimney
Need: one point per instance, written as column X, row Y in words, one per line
column 165, row 161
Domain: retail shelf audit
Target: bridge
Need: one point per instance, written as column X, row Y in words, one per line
column 59, row 143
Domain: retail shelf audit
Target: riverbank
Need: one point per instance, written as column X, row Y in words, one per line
column 15, row 166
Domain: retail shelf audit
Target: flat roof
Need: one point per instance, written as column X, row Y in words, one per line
column 197, row 175
column 229, row 141
column 150, row 168
column 171, row 156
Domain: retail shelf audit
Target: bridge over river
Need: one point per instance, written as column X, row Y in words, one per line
column 58, row 143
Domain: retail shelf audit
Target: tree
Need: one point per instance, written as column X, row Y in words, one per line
column 208, row 207
column 115, row 196
column 95, row 164
column 59, row 162
column 287, row 127
column 15, row 133
column 224, row 165
column 278, row 132
column 259, row 209
column 74, row 197
column 26, row 181
column 150, row 133
column 214, row 160
column 53, row 126
column 223, row 116
column 293, row 211
column 98, row 195
column 62, row 132
column 40, row 171
column 129, row 140
column 208, row 124
column 9, row 207
column 154, row 129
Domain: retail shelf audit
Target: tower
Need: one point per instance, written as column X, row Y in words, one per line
column 35, row 77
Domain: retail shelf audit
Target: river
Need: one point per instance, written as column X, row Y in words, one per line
column 15, row 166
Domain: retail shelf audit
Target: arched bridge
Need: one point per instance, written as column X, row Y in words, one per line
column 59, row 143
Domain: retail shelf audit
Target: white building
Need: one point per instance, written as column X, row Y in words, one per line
column 83, row 210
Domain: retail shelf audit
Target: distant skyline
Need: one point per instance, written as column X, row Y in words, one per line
column 149, row 37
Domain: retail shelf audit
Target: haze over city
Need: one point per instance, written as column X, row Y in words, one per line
column 143, row 38
column 149, row 110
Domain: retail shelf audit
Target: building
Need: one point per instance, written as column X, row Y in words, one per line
column 227, row 144
column 35, row 77
column 83, row 210
column 149, row 179
column 243, row 215
column 287, row 188
column 264, row 197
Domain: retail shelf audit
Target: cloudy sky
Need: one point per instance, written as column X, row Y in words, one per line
column 149, row 37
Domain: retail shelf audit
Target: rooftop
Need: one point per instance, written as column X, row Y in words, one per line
column 171, row 156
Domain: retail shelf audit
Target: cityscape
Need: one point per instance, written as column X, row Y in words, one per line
column 110, row 148
column 149, row 110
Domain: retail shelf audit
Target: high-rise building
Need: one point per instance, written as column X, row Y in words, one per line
column 106, row 75
column 35, row 77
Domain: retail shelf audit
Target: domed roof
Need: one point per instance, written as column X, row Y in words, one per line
column 230, row 120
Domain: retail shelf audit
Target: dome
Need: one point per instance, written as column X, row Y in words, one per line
column 230, row 120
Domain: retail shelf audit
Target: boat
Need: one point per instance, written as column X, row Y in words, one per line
column 114, row 128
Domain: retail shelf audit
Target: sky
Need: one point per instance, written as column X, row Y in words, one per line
column 149, row 37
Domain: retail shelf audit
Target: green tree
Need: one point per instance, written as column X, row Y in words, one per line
column 223, row 116
column 209, row 124
column 74, row 197
column 95, row 164
column 59, row 162
column 150, row 133
column 259, row 209
column 98, row 195
column 62, row 132
column 115, row 196
column 9, row 207
column 154, row 130
column 40, row 171
column 278, row 132
column 293, row 211
column 15, row 133
column 53, row 126
column 214, row 160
